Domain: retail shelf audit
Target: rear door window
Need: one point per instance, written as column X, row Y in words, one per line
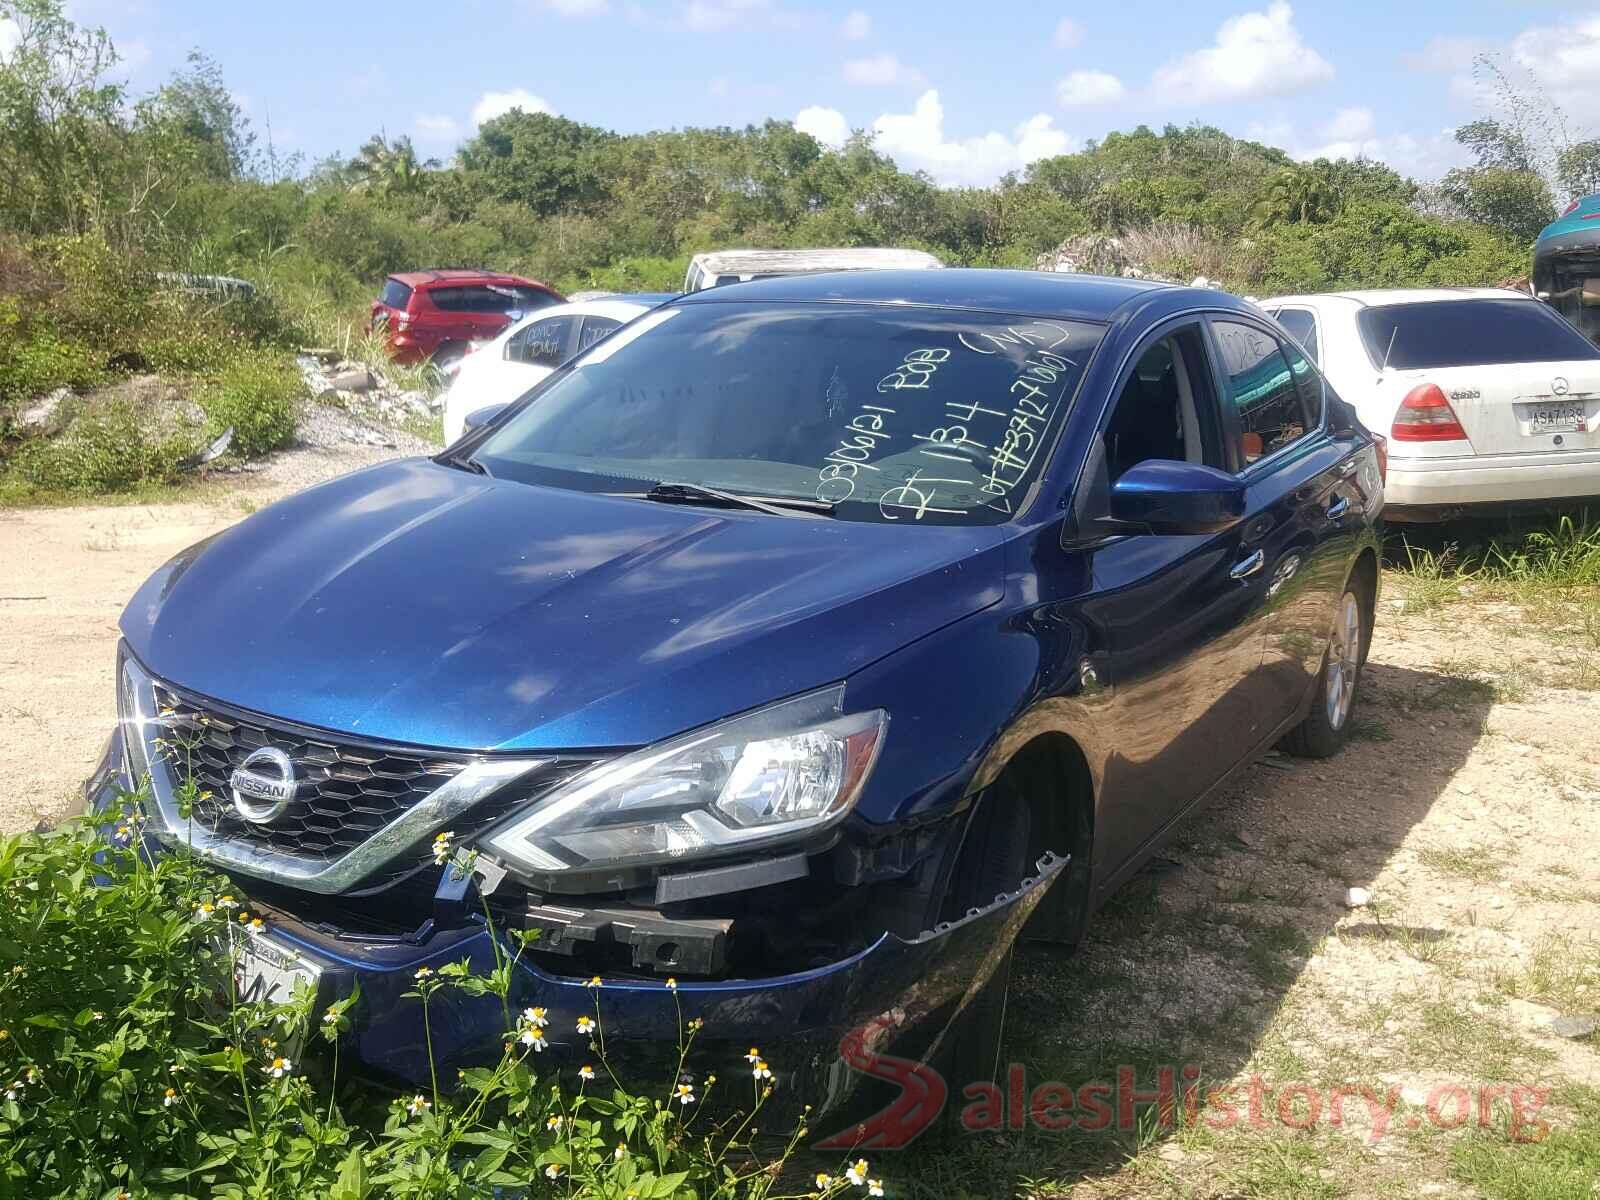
column 395, row 294
column 1468, row 333
column 594, row 328
column 1263, row 390
column 1302, row 326
column 485, row 298
column 543, row 343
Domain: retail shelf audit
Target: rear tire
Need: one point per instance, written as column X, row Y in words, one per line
column 1327, row 726
column 445, row 355
column 993, row 861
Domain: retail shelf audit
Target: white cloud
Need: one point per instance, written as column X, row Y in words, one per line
column 494, row 104
column 1085, row 89
column 1256, row 54
column 436, row 127
column 881, row 70
column 827, row 125
column 1446, row 52
column 1353, row 133
column 10, row 36
column 1565, row 59
column 717, row 16
column 917, row 141
column 856, row 27
column 133, row 54
column 578, row 8
column 1068, row 34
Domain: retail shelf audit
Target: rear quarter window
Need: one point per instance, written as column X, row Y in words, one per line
column 395, row 294
column 1468, row 333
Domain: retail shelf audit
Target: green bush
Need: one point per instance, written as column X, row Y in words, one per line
column 130, row 1067
column 256, row 393
column 37, row 360
column 113, row 449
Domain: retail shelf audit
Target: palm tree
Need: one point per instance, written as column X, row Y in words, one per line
column 1299, row 195
column 389, row 168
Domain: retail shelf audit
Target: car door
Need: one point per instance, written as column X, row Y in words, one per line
column 1304, row 505
column 1179, row 613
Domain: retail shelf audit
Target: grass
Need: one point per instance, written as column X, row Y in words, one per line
column 1560, row 973
column 1476, row 863
column 1560, row 558
column 1564, row 1165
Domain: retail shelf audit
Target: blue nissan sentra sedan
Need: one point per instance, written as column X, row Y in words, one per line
column 805, row 642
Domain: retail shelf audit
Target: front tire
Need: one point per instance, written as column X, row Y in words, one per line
column 1327, row 726
column 993, row 860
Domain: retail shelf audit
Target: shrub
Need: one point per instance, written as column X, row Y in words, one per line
column 112, row 449
column 255, row 392
column 129, row 1065
column 37, row 360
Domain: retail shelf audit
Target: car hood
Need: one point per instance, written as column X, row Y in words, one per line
column 422, row 604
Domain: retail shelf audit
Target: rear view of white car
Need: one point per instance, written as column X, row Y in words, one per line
column 500, row 371
column 1488, row 398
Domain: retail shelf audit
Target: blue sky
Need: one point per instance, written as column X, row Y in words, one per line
column 964, row 91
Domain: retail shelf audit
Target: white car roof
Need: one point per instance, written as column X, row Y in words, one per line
column 1373, row 296
column 802, row 262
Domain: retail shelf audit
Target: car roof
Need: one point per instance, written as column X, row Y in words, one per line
column 651, row 298
column 845, row 258
column 1087, row 297
column 432, row 275
column 1375, row 296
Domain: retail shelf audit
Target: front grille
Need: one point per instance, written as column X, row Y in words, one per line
column 347, row 790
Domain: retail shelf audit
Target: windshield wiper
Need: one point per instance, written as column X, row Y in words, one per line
column 777, row 506
column 462, row 463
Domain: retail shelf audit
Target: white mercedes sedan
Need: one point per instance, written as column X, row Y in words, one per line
column 500, row 371
column 1488, row 398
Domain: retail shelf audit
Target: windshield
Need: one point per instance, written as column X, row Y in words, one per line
column 894, row 414
column 1467, row 333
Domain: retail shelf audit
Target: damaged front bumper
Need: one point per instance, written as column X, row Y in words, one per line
column 897, row 997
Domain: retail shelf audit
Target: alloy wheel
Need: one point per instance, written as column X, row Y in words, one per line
column 1344, row 661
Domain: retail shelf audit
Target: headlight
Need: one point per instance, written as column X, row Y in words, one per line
column 774, row 775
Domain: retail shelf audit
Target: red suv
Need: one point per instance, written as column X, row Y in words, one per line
column 436, row 315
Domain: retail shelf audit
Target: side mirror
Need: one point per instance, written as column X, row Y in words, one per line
column 1177, row 497
column 479, row 417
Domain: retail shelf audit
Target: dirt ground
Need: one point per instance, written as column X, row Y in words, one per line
column 1466, row 810
column 65, row 574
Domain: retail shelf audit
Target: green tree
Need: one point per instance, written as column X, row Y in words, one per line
column 1300, row 195
column 196, row 110
column 60, row 122
column 549, row 163
column 388, row 168
column 1578, row 169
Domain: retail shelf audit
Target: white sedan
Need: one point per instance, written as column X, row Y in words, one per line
column 500, row 371
column 1488, row 398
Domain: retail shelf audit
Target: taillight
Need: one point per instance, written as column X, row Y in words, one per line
column 1571, row 208
column 1426, row 416
column 1381, row 445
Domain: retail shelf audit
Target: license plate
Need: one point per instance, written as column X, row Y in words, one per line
column 1559, row 416
column 268, row 971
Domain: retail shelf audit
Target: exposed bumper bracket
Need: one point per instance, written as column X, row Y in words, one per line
column 697, row 946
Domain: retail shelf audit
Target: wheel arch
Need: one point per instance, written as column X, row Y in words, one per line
column 1056, row 777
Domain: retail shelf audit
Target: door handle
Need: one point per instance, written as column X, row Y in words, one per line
column 1247, row 567
column 1338, row 508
